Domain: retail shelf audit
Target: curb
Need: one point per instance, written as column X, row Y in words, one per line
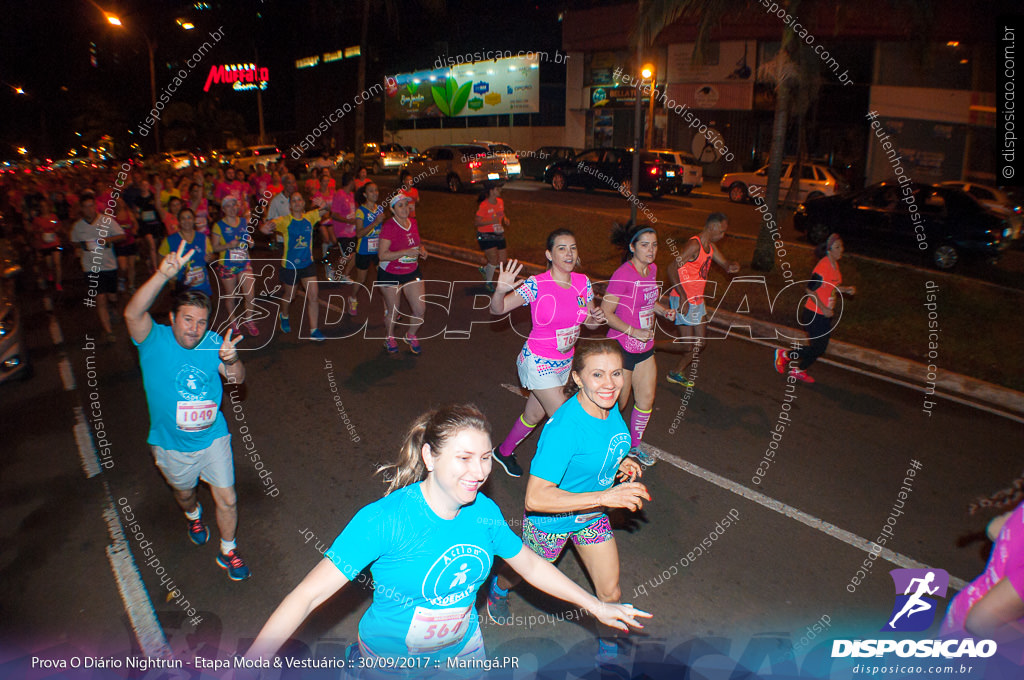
column 993, row 398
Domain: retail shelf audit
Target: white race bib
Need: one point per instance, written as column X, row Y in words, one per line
column 371, row 244
column 566, row 338
column 435, row 629
column 408, row 259
column 148, row 216
column 195, row 416
column 647, row 319
column 498, row 229
column 236, row 254
column 194, row 276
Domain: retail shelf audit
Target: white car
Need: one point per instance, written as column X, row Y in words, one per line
column 507, row 155
column 816, row 180
column 248, row 157
column 178, row 160
column 693, row 173
column 995, row 200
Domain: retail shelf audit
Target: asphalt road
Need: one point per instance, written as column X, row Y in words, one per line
column 785, row 562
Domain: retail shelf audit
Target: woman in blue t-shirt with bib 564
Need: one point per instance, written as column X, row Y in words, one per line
column 430, row 544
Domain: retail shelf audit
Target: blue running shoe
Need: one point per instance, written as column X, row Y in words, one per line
column 235, row 565
column 642, row 457
column 285, row 326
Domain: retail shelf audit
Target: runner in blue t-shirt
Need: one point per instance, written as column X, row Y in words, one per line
column 369, row 218
column 582, row 450
column 182, row 365
column 297, row 263
column 430, row 544
column 193, row 275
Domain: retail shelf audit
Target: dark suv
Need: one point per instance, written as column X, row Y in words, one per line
column 612, row 169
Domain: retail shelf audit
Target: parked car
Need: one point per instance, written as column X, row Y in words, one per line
column 996, row 200
column 178, row 160
column 505, row 153
column 693, row 173
column 955, row 225
column 612, row 169
column 248, row 157
column 534, row 164
column 14, row 361
column 454, row 166
column 378, row 158
column 816, row 180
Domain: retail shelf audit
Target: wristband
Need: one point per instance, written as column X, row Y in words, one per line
column 231, row 362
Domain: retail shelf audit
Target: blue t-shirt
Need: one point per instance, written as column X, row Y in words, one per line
column 426, row 570
column 368, row 244
column 193, row 274
column 578, row 453
column 298, row 239
column 183, row 390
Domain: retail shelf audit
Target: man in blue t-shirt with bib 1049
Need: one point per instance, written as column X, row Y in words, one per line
column 182, row 365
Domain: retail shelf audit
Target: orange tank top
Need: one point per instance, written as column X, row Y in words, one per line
column 694, row 275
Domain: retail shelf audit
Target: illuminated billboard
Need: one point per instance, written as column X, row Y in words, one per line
column 481, row 88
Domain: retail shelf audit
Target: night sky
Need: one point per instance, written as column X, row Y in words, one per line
column 47, row 48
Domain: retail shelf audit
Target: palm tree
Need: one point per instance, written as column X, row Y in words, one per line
column 653, row 16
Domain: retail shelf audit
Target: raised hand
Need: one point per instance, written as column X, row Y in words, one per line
column 508, row 274
column 229, row 348
column 173, row 262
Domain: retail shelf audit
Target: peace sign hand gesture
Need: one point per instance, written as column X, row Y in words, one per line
column 229, row 348
column 173, row 262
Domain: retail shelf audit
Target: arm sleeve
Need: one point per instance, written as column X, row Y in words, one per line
column 359, row 543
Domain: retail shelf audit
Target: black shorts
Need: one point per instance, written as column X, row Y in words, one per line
column 364, row 262
column 126, row 250
column 106, row 281
column 347, row 244
column 488, row 241
column 290, row 276
column 630, row 360
column 385, row 278
column 153, row 228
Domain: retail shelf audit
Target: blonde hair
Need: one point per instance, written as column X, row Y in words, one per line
column 435, row 428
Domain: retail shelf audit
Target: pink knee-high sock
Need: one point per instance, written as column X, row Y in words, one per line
column 637, row 424
column 520, row 431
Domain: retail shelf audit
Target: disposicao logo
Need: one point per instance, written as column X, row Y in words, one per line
column 914, row 611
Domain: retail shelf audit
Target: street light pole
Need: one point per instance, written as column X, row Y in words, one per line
column 152, row 87
column 634, row 183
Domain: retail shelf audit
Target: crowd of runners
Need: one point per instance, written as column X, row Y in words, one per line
column 433, row 537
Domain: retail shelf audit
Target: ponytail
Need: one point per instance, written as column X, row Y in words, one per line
column 435, row 428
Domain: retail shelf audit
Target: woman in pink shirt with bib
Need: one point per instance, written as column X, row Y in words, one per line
column 560, row 301
column 400, row 251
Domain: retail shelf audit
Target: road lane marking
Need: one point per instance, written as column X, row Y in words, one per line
column 821, row 525
column 66, row 375
column 137, row 604
column 86, row 450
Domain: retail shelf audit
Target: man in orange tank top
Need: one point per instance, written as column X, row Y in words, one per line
column 692, row 265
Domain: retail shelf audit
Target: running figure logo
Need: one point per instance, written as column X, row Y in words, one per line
column 914, row 610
